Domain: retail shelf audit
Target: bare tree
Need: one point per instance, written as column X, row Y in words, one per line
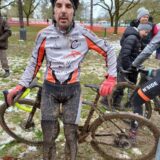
column 108, row 7
column 46, row 10
column 8, row 3
column 80, row 13
column 116, row 9
column 20, row 11
column 91, row 13
column 22, row 30
column 29, row 7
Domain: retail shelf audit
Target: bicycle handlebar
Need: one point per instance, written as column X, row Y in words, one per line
column 5, row 93
column 94, row 87
column 140, row 69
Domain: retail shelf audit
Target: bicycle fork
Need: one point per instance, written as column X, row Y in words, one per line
column 29, row 122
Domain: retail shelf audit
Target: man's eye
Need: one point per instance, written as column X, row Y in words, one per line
column 58, row 5
column 69, row 6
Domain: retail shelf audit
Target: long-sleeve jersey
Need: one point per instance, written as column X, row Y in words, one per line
column 148, row 50
column 64, row 53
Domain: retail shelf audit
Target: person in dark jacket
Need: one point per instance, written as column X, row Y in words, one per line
column 130, row 49
column 5, row 32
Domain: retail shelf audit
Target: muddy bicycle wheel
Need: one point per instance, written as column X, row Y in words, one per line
column 13, row 121
column 126, row 100
column 111, row 137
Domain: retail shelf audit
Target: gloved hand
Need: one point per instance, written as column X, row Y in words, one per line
column 13, row 93
column 132, row 69
column 153, row 72
column 107, row 86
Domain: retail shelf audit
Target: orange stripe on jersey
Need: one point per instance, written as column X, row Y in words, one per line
column 142, row 95
column 49, row 76
column 40, row 57
column 74, row 77
column 93, row 46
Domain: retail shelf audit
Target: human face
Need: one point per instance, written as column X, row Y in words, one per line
column 63, row 13
column 144, row 19
column 143, row 33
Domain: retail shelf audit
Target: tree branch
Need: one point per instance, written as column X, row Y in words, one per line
column 1, row 7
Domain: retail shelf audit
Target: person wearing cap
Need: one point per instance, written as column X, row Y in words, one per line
column 143, row 16
column 64, row 45
column 130, row 49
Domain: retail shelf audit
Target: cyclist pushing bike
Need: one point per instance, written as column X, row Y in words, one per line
column 63, row 45
column 150, row 89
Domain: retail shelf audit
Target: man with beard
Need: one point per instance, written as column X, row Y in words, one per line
column 64, row 45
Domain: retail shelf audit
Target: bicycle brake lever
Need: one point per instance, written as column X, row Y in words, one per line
column 5, row 93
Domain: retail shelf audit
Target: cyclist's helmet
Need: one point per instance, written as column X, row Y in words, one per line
column 74, row 2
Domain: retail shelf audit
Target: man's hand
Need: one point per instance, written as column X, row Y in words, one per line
column 13, row 93
column 107, row 86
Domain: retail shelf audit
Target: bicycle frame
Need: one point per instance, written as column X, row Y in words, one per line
column 84, row 130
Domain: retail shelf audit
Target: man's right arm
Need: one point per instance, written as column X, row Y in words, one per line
column 147, row 51
column 35, row 62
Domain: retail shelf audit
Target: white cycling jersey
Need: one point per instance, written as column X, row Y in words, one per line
column 64, row 53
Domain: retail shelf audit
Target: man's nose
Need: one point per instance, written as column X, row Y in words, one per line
column 63, row 8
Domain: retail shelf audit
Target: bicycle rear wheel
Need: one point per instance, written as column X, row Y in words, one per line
column 112, row 141
column 13, row 121
column 126, row 101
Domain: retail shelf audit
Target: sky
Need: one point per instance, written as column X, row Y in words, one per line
column 97, row 9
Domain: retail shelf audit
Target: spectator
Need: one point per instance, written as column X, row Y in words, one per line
column 130, row 49
column 150, row 89
column 5, row 32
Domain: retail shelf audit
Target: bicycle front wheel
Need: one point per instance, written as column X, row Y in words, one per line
column 13, row 120
column 112, row 139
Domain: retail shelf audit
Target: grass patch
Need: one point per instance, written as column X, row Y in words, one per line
column 6, row 149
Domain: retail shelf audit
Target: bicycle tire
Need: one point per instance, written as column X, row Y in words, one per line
column 145, row 126
column 12, row 125
column 127, row 106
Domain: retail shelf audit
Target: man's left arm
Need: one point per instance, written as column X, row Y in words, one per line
column 107, row 51
column 111, row 62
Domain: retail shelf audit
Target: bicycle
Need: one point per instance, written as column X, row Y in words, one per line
column 107, row 133
column 130, row 88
